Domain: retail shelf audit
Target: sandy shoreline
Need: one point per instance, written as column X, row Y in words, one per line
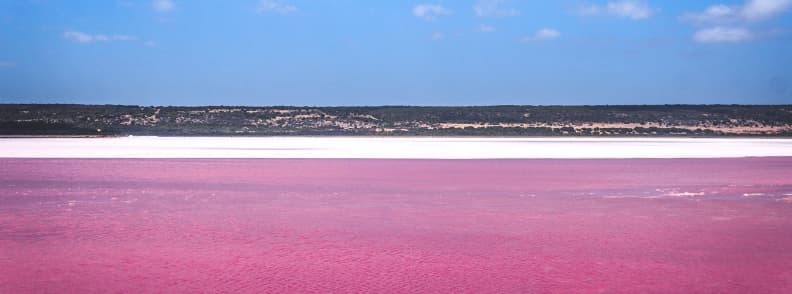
column 390, row 148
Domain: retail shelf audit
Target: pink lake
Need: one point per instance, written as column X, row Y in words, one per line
column 396, row 226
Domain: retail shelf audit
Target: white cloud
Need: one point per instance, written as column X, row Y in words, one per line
column 114, row 38
column 4, row 63
column 756, row 10
column 751, row 11
column 429, row 11
column 438, row 36
column 81, row 37
column 723, row 35
column 635, row 10
column 150, row 43
column 543, row 35
column 163, row 5
column 123, row 38
column 78, row 36
column 274, row 6
column 485, row 29
column 714, row 13
column 631, row 9
column 492, row 8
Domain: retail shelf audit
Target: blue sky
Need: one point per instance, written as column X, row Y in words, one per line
column 345, row 52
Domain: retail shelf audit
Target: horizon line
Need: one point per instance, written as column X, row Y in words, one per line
column 392, row 105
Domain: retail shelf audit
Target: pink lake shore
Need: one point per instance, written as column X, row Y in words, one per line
column 385, row 226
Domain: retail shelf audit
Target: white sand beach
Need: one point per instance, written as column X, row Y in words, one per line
column 396, row 148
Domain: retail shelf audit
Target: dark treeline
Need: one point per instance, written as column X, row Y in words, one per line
column 615, row 120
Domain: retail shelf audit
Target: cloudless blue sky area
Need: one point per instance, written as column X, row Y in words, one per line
column 346, row 52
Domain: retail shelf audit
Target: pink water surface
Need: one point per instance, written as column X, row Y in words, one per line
column 396, row 226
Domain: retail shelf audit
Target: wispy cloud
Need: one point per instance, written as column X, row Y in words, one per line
column 429, row 11
column 737, row 18
column 542, row 35
column 114, row 38
column 438, row 36
column 485, row 28
column 493, row 8
column 713, row 14
column 4, row 63
column 635, row 10
column 723, row 34
column 274, row 6
column 163, row 6
column 81, row 37
column 150, row 43
column 757, row 10
column 751, row 11
column 78, row 36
